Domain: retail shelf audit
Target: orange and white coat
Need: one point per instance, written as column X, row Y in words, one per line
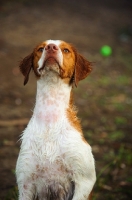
column 55, row 162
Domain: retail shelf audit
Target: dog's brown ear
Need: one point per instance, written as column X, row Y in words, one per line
column 82, row 68
column 25, row 67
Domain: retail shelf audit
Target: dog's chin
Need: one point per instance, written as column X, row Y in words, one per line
column 50, row 65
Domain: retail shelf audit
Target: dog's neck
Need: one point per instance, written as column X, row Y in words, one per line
column 52, row 100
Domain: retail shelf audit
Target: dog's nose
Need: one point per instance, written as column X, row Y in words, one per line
column 51, row 48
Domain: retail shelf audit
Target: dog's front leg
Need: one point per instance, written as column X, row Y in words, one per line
column 83, row 189
column 26, row 191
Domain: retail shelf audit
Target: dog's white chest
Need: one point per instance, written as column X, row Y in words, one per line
column 46, row 159
column 45, row 155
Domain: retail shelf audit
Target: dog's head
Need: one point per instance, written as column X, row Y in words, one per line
column 59, row 57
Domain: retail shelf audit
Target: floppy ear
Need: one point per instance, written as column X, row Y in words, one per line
column 25, row 67
column 82, row 68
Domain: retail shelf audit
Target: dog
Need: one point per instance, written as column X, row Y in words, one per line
column 55, row 161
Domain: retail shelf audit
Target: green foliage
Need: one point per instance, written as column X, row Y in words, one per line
column 120, row 120
column 117, row 135
column 124, row 155
column 12, row 194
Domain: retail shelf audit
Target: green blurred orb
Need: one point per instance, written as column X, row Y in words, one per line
column 106, row 50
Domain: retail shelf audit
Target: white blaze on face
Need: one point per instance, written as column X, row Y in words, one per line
column 59, row 55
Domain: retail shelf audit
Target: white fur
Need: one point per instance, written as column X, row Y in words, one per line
column 59, row 54
column 56, row 42
column 51, row 146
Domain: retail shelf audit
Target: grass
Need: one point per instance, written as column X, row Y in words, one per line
column 12, row 194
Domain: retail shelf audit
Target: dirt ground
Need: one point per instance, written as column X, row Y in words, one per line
column 104, row 99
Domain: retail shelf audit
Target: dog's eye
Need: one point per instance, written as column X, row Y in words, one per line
column 66, row 50
column 41, row 49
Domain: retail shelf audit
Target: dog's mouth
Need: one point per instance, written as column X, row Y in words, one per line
column 50, row 64
column 50, row 61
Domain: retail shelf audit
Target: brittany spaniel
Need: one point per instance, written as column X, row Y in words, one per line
column 55, row 161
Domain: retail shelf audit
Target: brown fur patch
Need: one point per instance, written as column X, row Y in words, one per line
column 82, row 67
column 72, row 115
column 25, row 66
column 90, row 196
column 73, row 119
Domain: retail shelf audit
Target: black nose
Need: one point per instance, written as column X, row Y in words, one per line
column 51, row 47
